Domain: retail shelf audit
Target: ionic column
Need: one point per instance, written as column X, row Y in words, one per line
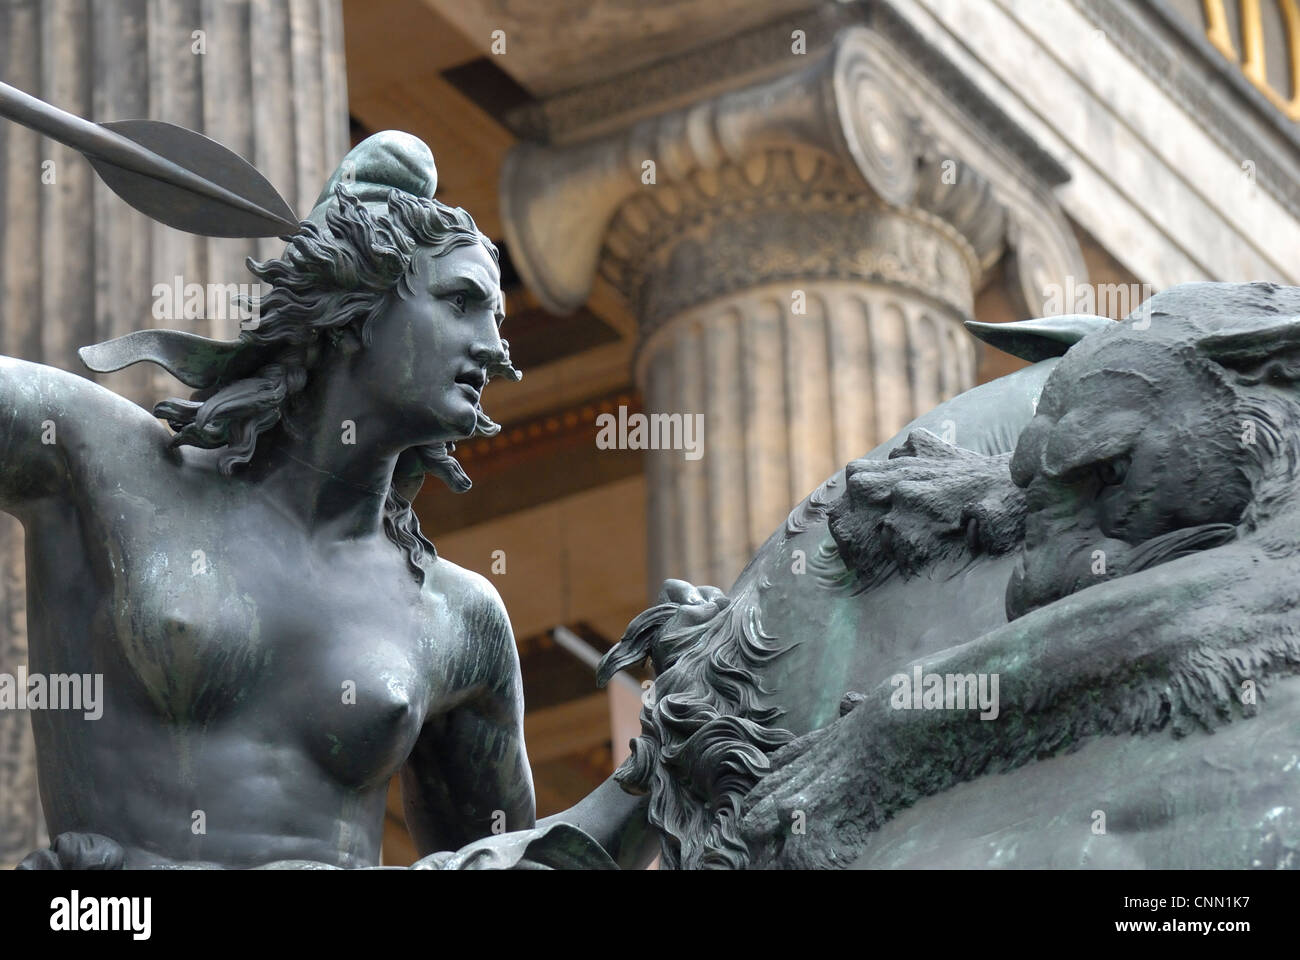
column 806, row 320
column 77, row 265
column 798, row 253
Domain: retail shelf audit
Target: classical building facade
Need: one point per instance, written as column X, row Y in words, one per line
column 752, row 228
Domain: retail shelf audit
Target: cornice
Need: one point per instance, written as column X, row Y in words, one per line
column 746, row 57
column 762, row 53
column 1154, row 37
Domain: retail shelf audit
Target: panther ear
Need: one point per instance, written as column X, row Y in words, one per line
column 1258, row 353
column 1041, row 338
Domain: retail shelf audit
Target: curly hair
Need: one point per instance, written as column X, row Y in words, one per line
column 326, row 282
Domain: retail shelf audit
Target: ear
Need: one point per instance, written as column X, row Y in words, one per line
column 1039, row 339
column 1258, row 353
column 638, row 640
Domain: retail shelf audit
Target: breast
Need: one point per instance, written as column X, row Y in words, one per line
column 367, row 703
column 191, row 635
column 353, row 663
column 228, row 618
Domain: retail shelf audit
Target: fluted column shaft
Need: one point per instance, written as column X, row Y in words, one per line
column 77, row 265
column 786, row 398
column 802, row 317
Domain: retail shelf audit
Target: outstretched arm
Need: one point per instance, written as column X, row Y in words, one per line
column 54, row 423
column 32, row 462
column 617, row 821
column 468, row 776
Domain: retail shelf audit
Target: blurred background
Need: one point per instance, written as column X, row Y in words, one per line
column 774, row 214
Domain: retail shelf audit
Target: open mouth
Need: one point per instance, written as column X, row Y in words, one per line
column 472, row 382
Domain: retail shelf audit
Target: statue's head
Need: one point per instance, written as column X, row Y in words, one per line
column 1169, row 433
column 391, row 294
column 386, row 282
column 421, row 353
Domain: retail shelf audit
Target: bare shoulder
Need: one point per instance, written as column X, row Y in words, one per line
column 480, row 622
column 75, row 402
column 55, row 426
column 472, row 598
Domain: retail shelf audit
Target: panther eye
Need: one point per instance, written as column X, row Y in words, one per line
column 1112, row 472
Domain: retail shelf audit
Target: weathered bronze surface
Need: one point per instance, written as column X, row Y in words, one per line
column 1104, row 543
column 1082, row 653
column 277, row 638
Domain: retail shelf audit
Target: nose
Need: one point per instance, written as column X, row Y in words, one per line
column 487, row 355
column 489, row 352
column 487, row 348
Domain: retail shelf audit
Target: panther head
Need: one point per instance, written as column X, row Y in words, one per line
column 1158, row 437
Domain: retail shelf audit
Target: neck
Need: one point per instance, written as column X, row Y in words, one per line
column 335, row 496
column 334, row 471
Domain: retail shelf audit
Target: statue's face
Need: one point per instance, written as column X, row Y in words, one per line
column 1132, row 453
column 427, row 362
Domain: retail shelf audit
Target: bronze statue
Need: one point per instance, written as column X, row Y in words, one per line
column 1127, row 575
column 1108, row 537
column 276, row 636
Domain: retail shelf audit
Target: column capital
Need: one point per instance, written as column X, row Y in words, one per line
column 794, row 218
column 847, row 141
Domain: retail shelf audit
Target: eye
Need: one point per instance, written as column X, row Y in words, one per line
column 458, row 301
column 1112, row 472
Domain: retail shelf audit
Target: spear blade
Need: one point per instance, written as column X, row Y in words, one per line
column 169, row 173
column 253, row 209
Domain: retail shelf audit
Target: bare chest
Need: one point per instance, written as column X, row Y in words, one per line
column 247, row 630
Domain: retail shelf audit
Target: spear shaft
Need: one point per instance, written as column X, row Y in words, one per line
column 98, row 142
